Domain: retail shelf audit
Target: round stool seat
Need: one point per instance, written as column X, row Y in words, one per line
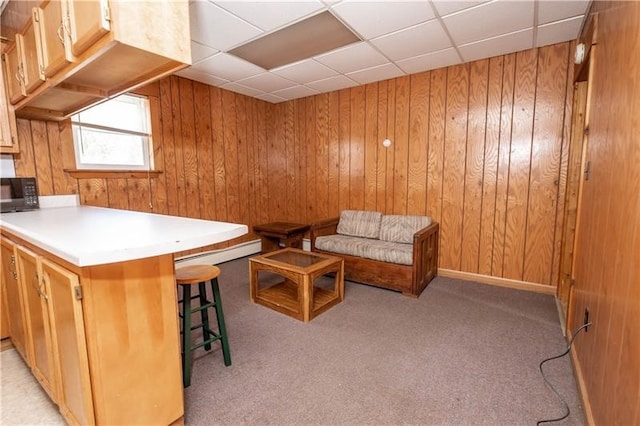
column 194, row 274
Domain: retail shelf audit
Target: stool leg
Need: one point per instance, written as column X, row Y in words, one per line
column 220, row 316
column 187, row 355
column 204, row 315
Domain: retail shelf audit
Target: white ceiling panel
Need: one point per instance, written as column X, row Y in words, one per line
column 194, row 74
column 430, row 61
column 382, row 17
column 270, row 98
column 549, row 11
column 228, row 67
column 200, row 52
column 381, row 72
column 514, row 42
column 547, row 34
column 305, row 71
column 268, row 15
column 239, row 88
column 398, row 37
column 332, row 83
column 267, row 82
column 217, row 28
column 417, row 40
column 445, row 7
column 295, row 92
column 489, row 20
column 352, row 58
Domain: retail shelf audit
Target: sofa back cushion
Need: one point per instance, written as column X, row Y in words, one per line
column 360, row 223
column 400, row 228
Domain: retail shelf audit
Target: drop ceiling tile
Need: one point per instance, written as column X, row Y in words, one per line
column 200, row 52
column 295, row 92
column 238, row 88
column 417, row 40
column 381, row 72
column 430, row 61
column 228, row 67
column 382, row 17
column 332, row 83
column 556, row 32
column 269, row 15
column 217, row 28
column 193, row 74
column 352, row 58
column 267, row 82
column 445, row 7
column 508, row 43
column 270, row 98
column 489, row 20
column 305, row 71
column 549, row 11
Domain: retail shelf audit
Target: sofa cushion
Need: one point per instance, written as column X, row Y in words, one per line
column 368, row 248
column 360, row 223
column 400, row 228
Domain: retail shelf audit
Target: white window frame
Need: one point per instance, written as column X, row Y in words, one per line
column 147, row 142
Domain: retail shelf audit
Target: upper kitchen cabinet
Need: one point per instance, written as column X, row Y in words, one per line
column 53, row 52
column 8, row 129
column 93, row 50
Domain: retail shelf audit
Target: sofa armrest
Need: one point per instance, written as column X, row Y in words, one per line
column 325, row 227
column 425, row 255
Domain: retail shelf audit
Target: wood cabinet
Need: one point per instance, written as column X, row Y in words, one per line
column 8, row 128
column 90, row 51
column 14, row 298
column 37, row 320
column 50, row 27
column 13, row 68
column 103, row 340
column 69, row 343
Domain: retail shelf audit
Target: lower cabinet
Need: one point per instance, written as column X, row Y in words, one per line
column 13, row 298
column 103, row 341
column 69, row 344
column 38, row 326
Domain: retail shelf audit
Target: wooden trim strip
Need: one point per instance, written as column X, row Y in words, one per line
column 112, row 174
column 502, row 282
column 582, row 387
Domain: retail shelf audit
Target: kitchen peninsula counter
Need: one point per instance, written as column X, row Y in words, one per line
column 95, row 289
column 88, row 236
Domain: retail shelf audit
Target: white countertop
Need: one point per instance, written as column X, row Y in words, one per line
column 87, row 236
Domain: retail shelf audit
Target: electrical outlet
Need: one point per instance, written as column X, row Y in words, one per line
column 586, row 319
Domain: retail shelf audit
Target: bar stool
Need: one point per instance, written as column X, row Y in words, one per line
column 186, row 277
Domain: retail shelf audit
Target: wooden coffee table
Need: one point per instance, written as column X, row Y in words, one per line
column 300, row 294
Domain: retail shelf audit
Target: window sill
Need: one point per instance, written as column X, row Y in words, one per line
column 112, row 174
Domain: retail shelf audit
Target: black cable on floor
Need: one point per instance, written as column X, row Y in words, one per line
column 566, row 406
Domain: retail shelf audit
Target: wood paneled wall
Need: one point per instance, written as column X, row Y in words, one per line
column 480, row 147
column 607, row 276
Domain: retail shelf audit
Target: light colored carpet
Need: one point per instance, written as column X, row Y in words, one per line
column 461, row 354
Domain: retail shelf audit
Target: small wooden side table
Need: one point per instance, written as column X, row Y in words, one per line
column 276, row 233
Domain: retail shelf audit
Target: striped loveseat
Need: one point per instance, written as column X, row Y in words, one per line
column 397, row 252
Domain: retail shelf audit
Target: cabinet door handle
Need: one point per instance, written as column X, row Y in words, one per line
column 60, row 32
column 37, row 286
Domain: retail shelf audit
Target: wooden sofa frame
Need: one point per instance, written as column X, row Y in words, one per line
column 411, row 280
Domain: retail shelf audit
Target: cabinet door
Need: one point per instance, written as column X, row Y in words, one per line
column 31, row 69
column 37, row 314
column 14, row 298
column 88, row 21
column 13, row 67
column 69, row 344
column 50, row 34
column 8, row 129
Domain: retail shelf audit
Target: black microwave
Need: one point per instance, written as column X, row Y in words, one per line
column 18, row 194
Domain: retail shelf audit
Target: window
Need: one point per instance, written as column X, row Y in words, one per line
column 114, row 135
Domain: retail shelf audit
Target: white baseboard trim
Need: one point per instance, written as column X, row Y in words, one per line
column 214, row 257
column 503, row 282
